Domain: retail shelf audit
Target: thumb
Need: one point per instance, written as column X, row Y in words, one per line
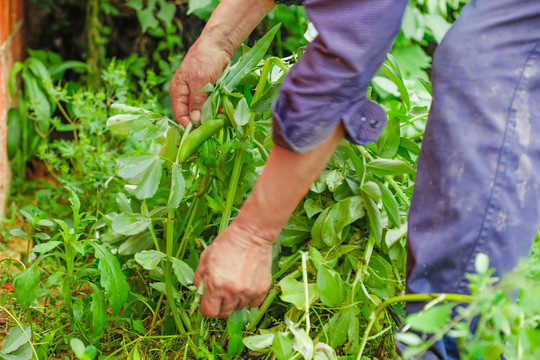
column 196, row 102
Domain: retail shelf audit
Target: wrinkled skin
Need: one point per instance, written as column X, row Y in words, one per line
column 236, row 270
column 202, row 64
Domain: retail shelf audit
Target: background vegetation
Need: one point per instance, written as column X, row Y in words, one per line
column 113, row 201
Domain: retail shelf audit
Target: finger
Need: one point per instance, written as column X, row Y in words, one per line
column 228, row 306
column 179, row 93
column 258, row 301
column 199, row 273
column 244, row 302
column 196, row 101
column 210, row 304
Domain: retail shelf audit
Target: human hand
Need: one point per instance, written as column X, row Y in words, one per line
column 203, row 64
column 236, row 270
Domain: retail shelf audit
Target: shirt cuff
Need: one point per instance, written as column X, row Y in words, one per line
column 329, row 83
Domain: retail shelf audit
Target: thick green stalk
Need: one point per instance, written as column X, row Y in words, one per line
column 264, row 308
column 167, row 274
column 22, row 328
column 460, row 298
column 233, row 185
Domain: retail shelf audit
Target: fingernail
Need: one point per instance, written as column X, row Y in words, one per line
column 195, row 116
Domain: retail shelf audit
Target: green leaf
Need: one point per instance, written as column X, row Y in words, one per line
column 431, row 320
column 149, row 126
column 235, row 324
column 372, row 190
column 242, row 113
column 134, row 164
column 17, row 233
column 302, row 342
column 178, row 188
column 13, row 137
column 78, row 66
column 23, row 353
column 323, row 351
column 339, row 326
column 438, row 26
column 481, row 263
column 25, row 286
column 329, row 226
column 410, row 339
column 147, row 19
column 15, row 339
column 45, row 247
column 148, row 185
column 74, row 200
column 264, row 103
column 392, row 71
column 112, row 279
column 99, row 311
column 149, row 259
column 293, row 292
column 12, row 82
column 130, row 224
column 121, row 124
column 380, row 273
column 296, row 230
column 375, row 218
column 389, row 167
column 82, row 352
column 389, row 140
column 184, row 273
column 78, row 347
column 332, row 289
column 390, row 204
column 123, row 203
column 259, row 343
column 248, row 61
column 312, row 207
column 202, row 8
column 282, row 347
column 167, row 12
column 38, row 99
column 393, row 235
column 136, row 243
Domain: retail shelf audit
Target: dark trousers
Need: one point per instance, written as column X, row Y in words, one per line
column 479, row 169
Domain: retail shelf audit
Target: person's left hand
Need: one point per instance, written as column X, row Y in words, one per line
column 203, row 64
column 236, row 270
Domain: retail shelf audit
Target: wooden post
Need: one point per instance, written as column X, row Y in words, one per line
column 12, row 49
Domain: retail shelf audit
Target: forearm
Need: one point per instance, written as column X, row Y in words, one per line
column 233, row 21
column 286, row 178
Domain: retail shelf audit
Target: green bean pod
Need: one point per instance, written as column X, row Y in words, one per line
column 197, row 137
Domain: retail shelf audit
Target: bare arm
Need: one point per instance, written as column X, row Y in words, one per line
column 229, row 25
column 236, row 267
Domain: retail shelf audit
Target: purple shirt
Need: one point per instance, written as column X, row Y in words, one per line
column 329, row 83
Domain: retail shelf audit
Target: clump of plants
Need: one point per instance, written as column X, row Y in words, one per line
column 132, row 199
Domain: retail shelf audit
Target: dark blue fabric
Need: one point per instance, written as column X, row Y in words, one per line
column 477, row 187
column 329, row 83
column 479, row 170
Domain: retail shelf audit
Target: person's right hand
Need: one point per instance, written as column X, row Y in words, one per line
column 203, row 64
column 236, row 270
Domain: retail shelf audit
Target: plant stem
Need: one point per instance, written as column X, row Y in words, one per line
column 154, row 317
column 460, row 298
column 264, row 308
column 167, row 274
column 22, row 328
column 306, row 290
column 233, row 185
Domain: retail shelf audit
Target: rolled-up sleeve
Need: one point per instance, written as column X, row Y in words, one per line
column 329, row 83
